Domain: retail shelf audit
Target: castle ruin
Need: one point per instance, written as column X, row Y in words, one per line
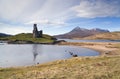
column 36, row 33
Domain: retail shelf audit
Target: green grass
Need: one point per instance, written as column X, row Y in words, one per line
column 74, row 68
column 29, row 37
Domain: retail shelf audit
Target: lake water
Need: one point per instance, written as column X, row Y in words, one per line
column 73, row 40
column 30, row 54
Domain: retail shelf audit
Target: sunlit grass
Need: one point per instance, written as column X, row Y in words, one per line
column 74, row 68
column 29, row 37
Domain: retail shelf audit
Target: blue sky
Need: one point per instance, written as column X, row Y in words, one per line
column 58, row 16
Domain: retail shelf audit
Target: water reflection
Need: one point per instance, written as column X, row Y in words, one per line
column 29, row 54
column 35, row 51
column 75, row 40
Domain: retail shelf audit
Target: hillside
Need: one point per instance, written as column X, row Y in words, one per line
column 4, row 35
column 108, row 36
column 81, row 32
column 28, row 38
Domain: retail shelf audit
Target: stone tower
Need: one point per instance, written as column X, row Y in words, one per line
column 40, row 33
column 36, row 33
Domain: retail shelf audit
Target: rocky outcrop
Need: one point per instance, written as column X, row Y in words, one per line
column 36, row 33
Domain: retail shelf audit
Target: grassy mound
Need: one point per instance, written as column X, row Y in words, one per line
column 27, row 37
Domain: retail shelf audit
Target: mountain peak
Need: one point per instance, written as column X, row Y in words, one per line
column 78, row 29
column 102, row 30
column 78, row 32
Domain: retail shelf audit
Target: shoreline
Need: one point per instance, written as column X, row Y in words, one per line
column 104, row 48
column 104, row 66
column 30, row 42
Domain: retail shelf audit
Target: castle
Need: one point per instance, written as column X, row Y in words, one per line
column 36, row 33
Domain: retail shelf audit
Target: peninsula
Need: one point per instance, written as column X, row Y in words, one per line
column 29, row 38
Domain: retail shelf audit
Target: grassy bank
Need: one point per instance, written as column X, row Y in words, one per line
column 74, row 68
column 28, row 38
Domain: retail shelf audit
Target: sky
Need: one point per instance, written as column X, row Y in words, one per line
column 58, row 16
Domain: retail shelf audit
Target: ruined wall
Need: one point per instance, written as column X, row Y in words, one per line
column 36, row 33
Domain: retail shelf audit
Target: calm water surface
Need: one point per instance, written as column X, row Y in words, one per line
column 30, row 54
column 73, row 40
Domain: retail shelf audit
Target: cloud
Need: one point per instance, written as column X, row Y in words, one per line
column 98, row 8
column 16, row 14
column 13, row 29
column 46, row 22
column 54, row 11
column 16, row 30
column 29, row 10
column 13, row 9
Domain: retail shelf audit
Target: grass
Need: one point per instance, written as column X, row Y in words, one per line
column 103, row 67
column 108, row 36
column 29, row 37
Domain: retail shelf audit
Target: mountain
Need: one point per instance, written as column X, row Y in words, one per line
column 78, row 32
column 4, row 35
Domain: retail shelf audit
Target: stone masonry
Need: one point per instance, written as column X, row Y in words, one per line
column 36, row 33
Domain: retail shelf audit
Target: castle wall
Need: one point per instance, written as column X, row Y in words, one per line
column 36, row 33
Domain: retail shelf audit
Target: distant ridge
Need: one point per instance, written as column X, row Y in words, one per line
column 107, row 36
column 4, row 35
column 78, row 32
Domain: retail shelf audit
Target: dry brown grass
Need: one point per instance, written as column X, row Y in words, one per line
column 75, row 68
column 109, row 36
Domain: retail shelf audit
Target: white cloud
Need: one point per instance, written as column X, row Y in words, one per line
column 12, row 9
column 30, row 10
column 47, row 13
column 16, row 30
column 46, row 22
column 1, row 23
column 98, row 8
column 13, row 29
column 54, row 12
